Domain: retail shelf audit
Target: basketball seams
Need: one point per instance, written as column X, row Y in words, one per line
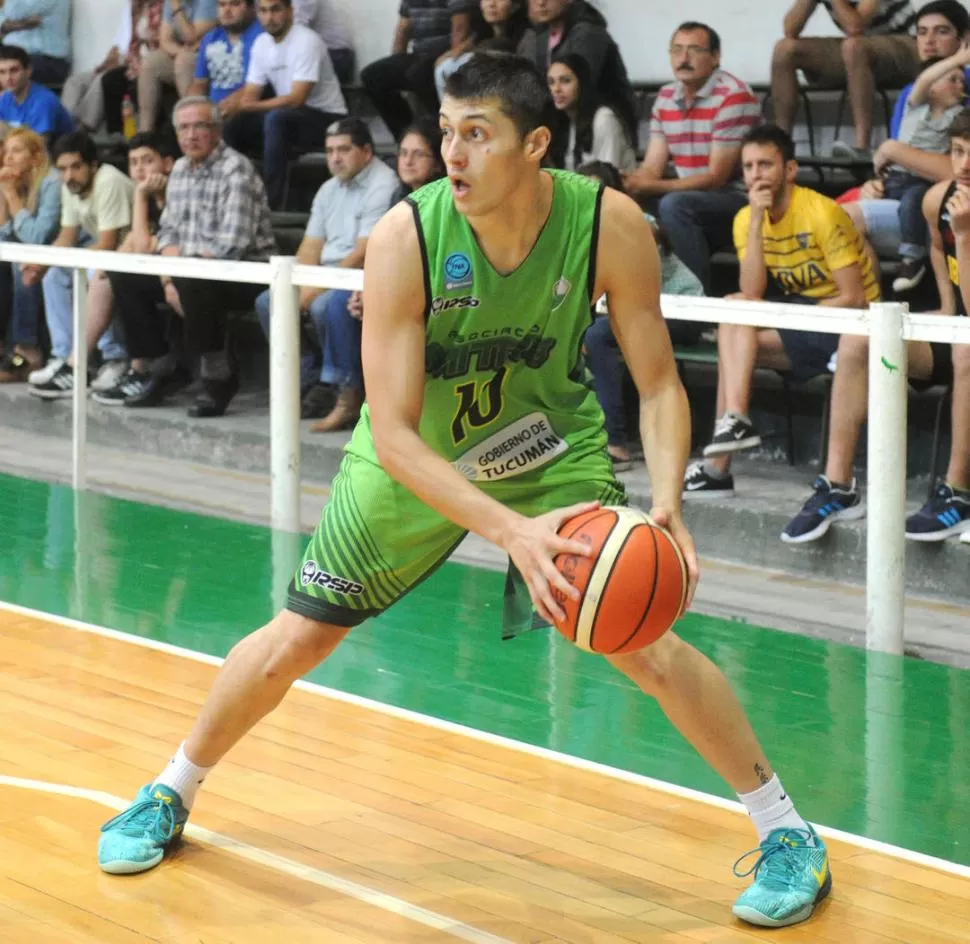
column 653, row 589
column 606, row 581
column 580, row 603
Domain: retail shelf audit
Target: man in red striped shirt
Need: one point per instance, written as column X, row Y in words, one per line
column 698, row 122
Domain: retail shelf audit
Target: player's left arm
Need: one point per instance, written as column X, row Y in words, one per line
column 629, row 274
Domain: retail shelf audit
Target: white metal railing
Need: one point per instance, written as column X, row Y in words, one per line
column 888, row 325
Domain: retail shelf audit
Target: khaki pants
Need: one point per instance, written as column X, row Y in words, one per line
column 83, row 97
column 894, row 60
column 158, row 68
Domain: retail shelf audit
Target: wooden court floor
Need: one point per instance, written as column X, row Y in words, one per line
column 334, row 822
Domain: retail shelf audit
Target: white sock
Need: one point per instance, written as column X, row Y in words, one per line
column 182, row 776
column 771, row 808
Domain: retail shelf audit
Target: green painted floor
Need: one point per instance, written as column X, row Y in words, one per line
column 874, row 745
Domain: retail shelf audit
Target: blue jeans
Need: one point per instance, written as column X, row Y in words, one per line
column 341, row 349
column 909, row 190
column 26, row 312
column 699, row 223
column 309, row 365
column 603, row 358
column 58, row 287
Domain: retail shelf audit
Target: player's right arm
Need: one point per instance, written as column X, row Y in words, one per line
column 392, row 352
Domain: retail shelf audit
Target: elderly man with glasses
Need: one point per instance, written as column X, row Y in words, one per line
column 216, row 209
column 698, row 123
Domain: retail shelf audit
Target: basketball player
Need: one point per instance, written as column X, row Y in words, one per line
column 481, row 418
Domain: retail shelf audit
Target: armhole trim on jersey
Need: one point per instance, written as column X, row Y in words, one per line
column 425, row 265
column 594, row 240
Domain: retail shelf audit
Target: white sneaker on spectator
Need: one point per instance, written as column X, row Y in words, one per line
column 44, row 374
column 965, row 537
column 109, row 376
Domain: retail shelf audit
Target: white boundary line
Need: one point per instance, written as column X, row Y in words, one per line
column 298, row 870
column 862, row 842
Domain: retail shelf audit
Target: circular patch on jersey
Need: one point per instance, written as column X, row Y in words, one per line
column 457, row 267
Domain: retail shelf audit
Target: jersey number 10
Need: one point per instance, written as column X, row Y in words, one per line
column 479, row 403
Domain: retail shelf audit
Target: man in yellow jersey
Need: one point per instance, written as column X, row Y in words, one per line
column 796, row 246
column 481, row 417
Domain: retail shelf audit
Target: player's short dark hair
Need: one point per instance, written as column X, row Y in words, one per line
column 15, row 52
column 355, row 128
column 75, row 142
column 952, row 10
column 154, row 141
column 713, row 40
column 961, row 126
column 522, row 92
column 772, row 134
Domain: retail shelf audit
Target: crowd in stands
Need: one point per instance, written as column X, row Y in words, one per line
column 216, row 100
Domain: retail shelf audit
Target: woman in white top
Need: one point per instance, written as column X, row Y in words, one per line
column 589, row 129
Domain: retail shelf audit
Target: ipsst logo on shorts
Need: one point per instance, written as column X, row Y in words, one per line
column 458, row 271
column 313, row 576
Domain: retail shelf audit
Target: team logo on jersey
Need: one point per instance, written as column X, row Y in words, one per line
column 803, row 240
column 440, row 304
column 312, row 575
column 458, row 271
column 559, row 292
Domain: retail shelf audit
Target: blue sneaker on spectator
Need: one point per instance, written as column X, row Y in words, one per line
column 828, row 503
column 946, row 514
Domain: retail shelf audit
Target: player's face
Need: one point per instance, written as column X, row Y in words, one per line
column 563, row 86
column 143, row 162
column 232, row 13
column 75, row 174
column 960, row 159
column 13, row 76
column 485, row 156
column 345, row 159
column 936, row 37
column 275, row 18
column 764, row 168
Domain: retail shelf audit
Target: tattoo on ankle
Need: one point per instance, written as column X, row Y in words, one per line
column 762, row 774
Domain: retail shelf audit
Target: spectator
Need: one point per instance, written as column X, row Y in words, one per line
column 499, row 27
column 326, row 21
column 306, row 95
column 30, row 210
column 216, row 209
column 795, row 245
column 602, row 352
column 941, row 26
column 224, row 56
column 42, row 28
column 94, row 98
column 95, row 212
column 184, row 23
column 345, row 210
column 932, row 106
column 574, row 26
column 588, row 129
column 877, row 52
column 836, row 496
column 699, row 122
column 141, row 300
column 26, row 103
column 426, row 29
column 418, row 157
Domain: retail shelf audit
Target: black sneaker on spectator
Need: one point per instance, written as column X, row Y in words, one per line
column 59, row 386
column 109, row 376
column 911, row 272
column 946, row 514
column 43, row 374
column 699, row 483
column 829, row 503
column 732, row 433
column 849, row 153
column 318, row 401
column 132, row 384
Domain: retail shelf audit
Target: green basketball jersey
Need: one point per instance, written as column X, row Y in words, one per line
column 507, row 397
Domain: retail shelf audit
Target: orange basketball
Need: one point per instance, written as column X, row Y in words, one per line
column 631, row 590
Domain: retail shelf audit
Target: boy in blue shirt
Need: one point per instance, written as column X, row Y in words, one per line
column 23, row 102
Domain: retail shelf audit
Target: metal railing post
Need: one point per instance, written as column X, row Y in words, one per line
column 886, row 487
column 79, row 467
column 284, row 395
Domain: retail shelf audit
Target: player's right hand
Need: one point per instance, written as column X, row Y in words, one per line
column 532, row 543
column 760, row 198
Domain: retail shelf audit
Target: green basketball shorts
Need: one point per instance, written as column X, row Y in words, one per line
column 376, row 541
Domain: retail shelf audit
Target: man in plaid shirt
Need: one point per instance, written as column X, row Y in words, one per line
column 216, row 209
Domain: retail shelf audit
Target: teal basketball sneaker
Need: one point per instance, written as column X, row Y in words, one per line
column 790, row 878
column 136, row 840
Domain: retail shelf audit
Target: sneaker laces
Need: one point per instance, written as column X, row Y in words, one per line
column 777, row 859
column 821, row 496
column 694, row 470
column 724, row 424
column 154, row 817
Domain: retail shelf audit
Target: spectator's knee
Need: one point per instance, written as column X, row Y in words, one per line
column 785, row 52
column 853, row 352
column 262, row 311
column 675, row 206
column 855, row 50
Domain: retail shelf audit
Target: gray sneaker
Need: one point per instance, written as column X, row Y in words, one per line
column 43, row 374
column 109, row 376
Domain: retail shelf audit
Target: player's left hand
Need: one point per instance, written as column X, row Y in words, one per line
column 674, row 523
column 884, row 156
column 958, row 206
